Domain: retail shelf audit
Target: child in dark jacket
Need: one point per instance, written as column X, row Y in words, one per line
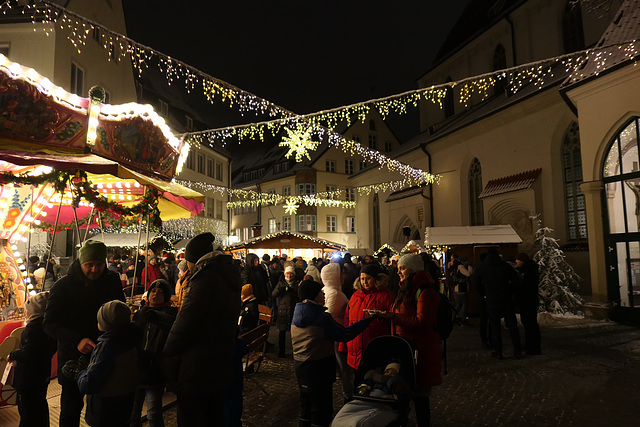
column 313, row 334
column 154, row 320
column 33, row 365
column 111, row 378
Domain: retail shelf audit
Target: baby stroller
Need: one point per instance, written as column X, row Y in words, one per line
column 370, row 411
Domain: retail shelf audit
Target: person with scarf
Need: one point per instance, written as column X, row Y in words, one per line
column 415, row 319
column 287, row 293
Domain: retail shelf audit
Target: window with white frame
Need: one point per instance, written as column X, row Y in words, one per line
column 286, row 223
column 77, row 80
column 191, row 160
column 350, row 194
column 351, row 224
column 356, row 138
column 201, row 162
column 164, row 108
column 188, row 122
column 348, row 167
column 306, row 222
column 286, row 190
column 388, row 146
column 330, row 189
column 271, row 224
column 219, row 209
column 373, row 142
column 210, row 168
column 245, row 233
column 363, row 165
column 332, row 223
column 218, row 171
column 331, row 165
column 306, row 188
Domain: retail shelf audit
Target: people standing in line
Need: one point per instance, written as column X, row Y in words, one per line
column 529, row 299
column 154, row 320
column 256, row 275
column 287, row 292
column 414, row 318
column 275, row 275
column 371, row 293
column 170, row 271
column 499, row 283
column 203, row 338
column 313, row 334
column 432, row 268
column 70, row 317
column 313, row 271
column 249, row 312
column 151, row 273
column 110, row 379
column 33, row 365
column 461, row 277
column 183, row 282
column 336, row 303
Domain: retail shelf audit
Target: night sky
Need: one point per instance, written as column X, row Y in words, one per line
column 303, row 55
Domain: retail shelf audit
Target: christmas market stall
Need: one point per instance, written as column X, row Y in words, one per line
column 287, row 242
column 72, row 163
column 471, row 242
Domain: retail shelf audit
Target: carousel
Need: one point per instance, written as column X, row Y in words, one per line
column 76, row 164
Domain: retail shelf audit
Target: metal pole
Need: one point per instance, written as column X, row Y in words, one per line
column 53, row 235
column 86, row 233
column 135, row 268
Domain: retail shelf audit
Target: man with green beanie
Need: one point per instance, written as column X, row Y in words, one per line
column 70, row 317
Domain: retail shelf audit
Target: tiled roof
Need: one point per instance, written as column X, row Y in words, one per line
column 625, row 27
column 517, row 182
column 401, row 194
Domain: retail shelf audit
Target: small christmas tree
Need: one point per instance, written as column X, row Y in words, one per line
column 556, row 276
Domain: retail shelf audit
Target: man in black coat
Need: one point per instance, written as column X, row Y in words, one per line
column 499, row 283
column 70, row 317
column 203, row 337
column 255, row 275
column 529, row 300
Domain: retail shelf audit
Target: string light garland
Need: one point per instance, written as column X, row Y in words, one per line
column 287, row 234
column 119, row 46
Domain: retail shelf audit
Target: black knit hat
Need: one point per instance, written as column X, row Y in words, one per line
column 164, row 285
column 372, row 269
column 309, row 289
column 198, row 247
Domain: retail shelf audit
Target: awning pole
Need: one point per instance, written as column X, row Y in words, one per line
column 29, row 248
column 86, row 233
column 101, row 227
column 75, row 216
column 53, row 235
column 135, row 269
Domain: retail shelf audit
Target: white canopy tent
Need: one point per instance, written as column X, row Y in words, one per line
column 471, row 235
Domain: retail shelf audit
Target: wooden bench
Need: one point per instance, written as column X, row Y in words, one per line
column 265, row 314
column 256, row 340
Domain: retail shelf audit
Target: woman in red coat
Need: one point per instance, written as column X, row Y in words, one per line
column 151, row 273
column 414, row 319
column 371, row 293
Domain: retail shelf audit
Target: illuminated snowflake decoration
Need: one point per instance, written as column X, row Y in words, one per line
column 291, row 207
column 299, row 142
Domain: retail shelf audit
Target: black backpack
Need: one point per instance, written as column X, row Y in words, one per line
column 444, row 323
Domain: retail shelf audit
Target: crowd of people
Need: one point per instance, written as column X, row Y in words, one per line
column 120, row 357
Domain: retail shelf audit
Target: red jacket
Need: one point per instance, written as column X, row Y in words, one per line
column 150, row 274
column 379, row 299
column 417, row 324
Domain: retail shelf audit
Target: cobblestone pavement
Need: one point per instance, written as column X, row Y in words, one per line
column 588, row 375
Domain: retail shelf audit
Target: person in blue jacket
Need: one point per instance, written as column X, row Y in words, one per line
column 313, row 333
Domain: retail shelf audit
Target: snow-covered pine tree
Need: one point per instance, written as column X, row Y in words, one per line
column 556, row 276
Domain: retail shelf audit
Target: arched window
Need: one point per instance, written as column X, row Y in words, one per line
column 476, row 210
column 572, row 32
column 574, row 199
column 448, row 101
column 500, row 63
column 621, row 178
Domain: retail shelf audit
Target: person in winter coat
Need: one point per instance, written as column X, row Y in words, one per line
column 371, row 294
column 33, row 365
column 287, row 293
column 70, row 317
column 529, row 299
column 203, row 338
column 151, row 273
column 313, row 271
column 183, row 282
column 336, row 302
column 255, row 274
column 499, row 283
column 415, row 319
column 110, row 379
column 154, row 320
column 249, row 313
column 461, row 277
column 313, row 333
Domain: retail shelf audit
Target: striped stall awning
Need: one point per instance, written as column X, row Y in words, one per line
column 508, row 184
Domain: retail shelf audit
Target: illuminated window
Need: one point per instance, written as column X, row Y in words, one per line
column 77, row 80
column 572, row 165
column 351, row 224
